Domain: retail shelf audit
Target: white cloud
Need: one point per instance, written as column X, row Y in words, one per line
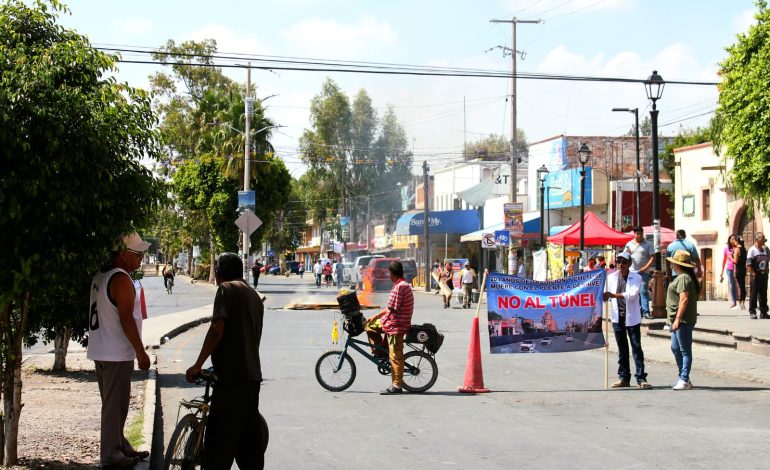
column 552, row 8
column 133, row 25
column 743, row 21
column 329, row 38
column 227, row 39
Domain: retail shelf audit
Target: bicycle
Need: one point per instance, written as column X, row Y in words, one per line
column 335, row 370
column 169, row 285
column 185, row 448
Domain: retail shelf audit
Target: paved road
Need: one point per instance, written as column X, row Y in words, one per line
column 545, row 409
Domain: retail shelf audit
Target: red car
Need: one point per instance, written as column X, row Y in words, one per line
column 376, row 275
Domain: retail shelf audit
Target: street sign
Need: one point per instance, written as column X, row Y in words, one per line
column 513, row 214
column 247, row 200
column 248, row 222
column 488, row 241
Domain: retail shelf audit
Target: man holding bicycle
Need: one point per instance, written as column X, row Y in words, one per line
column 394, row 320
column 232, row 341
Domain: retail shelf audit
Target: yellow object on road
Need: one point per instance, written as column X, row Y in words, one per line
column 335, row 333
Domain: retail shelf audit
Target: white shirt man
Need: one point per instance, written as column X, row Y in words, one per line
column 623, row 288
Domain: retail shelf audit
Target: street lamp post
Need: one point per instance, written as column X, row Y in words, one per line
column 542, row 174
column 638, row 220
column 426, row 222
column 584, row 154
column 654, row 87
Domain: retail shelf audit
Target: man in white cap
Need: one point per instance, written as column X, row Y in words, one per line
column 623, row 288
column 114, row 341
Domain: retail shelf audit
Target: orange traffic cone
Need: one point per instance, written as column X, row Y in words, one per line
column 474, row 377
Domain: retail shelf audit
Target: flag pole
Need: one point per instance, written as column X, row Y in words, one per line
column 481, row 292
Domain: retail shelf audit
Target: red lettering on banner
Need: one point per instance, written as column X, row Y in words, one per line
column 508, row 302
column 572, row 300
column 533, row 302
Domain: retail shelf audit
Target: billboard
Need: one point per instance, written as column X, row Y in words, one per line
column 562, row 188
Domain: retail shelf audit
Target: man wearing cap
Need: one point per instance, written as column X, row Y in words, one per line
column 623, row 288
column 756, row 265
column 642, row 251
column 114, row 341
column 468, row 280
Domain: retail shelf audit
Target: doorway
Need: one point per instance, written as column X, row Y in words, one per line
column 707, row 263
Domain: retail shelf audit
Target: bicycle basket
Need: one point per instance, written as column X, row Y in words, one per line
column 349, row 304
column 425, row 334
column 354, row 324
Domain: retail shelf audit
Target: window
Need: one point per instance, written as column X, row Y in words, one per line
column 706, row 205
column 688, row 206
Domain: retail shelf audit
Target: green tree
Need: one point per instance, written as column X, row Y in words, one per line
column 71, row 142
column 497, row 147
column 742, row 120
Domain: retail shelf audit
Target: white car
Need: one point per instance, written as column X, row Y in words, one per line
column 357, row 271
column 546, row 341
column 527, row 345
column 569, row 339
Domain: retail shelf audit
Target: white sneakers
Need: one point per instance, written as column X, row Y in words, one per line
column 682, row 385
column 735, row 307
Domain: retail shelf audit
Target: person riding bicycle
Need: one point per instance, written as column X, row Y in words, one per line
column 232, row 341
column 394, row 320
column 168, row 274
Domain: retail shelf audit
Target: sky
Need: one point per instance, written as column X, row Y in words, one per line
column 683, row 40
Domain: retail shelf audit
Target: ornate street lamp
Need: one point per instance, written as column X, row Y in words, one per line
column 654, row 87
column 542, row 174
column 584, row 155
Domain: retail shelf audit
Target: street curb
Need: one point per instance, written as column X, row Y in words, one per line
column 150, row 389
column 180, row 329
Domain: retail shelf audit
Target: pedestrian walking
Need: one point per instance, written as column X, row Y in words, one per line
column 318, row 271
column 233, row 429
column 642, row 251
column 468, row 280
column 729, row 259
column 301, row 269
column 255, row 271
column 682, row 309
column 339, row 272
column 114, row 341
column 327, row 272
column 740, row 271
column 446, row 277
column 521, row 270
column 756, row 265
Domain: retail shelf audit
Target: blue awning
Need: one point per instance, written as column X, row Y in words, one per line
column 441, row 222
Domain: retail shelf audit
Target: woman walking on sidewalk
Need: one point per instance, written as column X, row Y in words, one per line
column 729, row 259
column 682, row 309
column 446, row 277
column 740, row 271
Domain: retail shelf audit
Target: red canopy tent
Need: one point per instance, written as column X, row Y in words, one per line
column 596, row 233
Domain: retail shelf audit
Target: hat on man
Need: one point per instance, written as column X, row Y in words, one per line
column 132, row 242
column 624, row 255
column 467, row 263
column 682, row 258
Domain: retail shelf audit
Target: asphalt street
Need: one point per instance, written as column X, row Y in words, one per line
column 544, row 409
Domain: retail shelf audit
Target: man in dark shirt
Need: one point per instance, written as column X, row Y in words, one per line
column 234, row 425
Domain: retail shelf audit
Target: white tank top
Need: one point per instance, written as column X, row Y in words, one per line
column 106, row 339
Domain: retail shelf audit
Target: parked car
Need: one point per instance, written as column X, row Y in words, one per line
column 527, row 345
column 377, row 275
column 292, row 267
column 357, row 271
column 275, row 269
column 568, row 339
column 546, row 341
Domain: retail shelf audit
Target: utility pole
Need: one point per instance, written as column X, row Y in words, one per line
column 249, row 109
column 514, row 144
column 426, row 223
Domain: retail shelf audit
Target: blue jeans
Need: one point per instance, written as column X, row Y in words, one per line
column 731, row 286
column 644, row 294
column 635, row 337
column 681, row 346
column 318, row 280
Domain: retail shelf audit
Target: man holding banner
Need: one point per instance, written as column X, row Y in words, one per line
column 623, row 288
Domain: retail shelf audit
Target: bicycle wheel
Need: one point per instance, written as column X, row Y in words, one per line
column 331, row 378
column 420, row 371
column 182, row 451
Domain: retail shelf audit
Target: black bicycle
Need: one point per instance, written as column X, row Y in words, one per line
column 185, row 448
column 335, row 370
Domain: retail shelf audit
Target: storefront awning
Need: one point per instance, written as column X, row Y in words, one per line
column 308, row 249
column 531, row 229
column 441, row 222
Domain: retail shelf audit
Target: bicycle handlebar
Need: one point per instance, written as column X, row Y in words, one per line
column 206, row 375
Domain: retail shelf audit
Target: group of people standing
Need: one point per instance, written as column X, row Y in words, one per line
column 445, row 276
column 328, row 274
column 737, row 262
